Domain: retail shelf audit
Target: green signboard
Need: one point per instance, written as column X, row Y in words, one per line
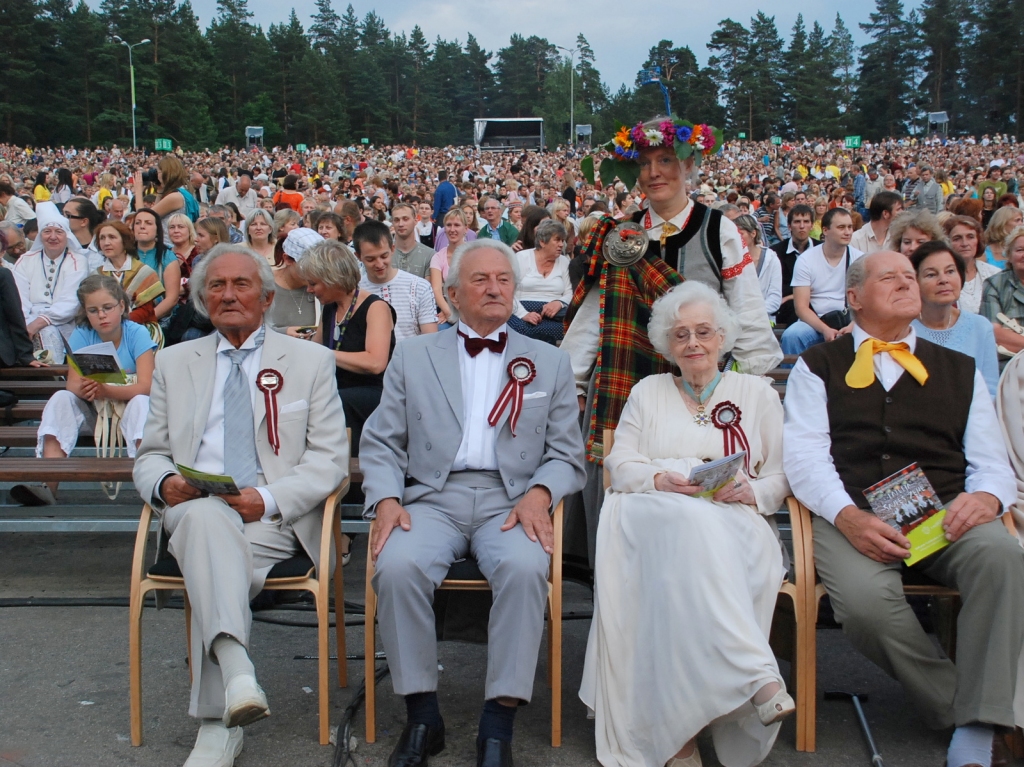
column 743, row 135
column 852, row 142
column 300, row 147
column 777, row 140
column 364, row 141
column 164, row 145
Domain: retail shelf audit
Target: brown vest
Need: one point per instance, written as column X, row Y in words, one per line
column 876, row 432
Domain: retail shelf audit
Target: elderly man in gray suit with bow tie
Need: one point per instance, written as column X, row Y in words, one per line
column 209, row 411
column 475, row 440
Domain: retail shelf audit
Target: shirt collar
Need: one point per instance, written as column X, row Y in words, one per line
column 679, row 220
column 464, row 328
column 860, row 336
column 223, row 344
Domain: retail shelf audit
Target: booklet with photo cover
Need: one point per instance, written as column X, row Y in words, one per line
column 907, row 502
column 714, row 475
column 98, row 362
column 214, row 484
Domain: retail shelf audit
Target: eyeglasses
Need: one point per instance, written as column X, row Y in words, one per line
column 704, row 333
column 95, row 311
column 72, row 216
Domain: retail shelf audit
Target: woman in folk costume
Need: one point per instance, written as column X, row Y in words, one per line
column 629, row 265
column 48, row 277
column 141, row 284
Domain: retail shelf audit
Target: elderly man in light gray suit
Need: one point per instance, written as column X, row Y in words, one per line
column 449, row 473
column 209, row 412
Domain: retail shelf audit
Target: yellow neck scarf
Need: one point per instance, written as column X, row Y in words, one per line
column 862, row 373
column 667, row 230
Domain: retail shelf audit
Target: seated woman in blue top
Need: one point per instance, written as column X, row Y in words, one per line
column 102, row 316
column 940, row 277
column 149, row 242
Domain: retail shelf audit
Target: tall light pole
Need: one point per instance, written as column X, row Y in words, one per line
column 572, row 96
column 131, row 71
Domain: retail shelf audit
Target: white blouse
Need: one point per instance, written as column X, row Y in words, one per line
column 533, row 286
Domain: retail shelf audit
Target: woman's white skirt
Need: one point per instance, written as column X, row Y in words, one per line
column 685, row 590
column 67, row 415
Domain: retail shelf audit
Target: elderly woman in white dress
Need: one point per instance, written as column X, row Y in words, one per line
column 686, row 585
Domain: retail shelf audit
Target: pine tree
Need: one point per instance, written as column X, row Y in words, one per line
column 843, row 53
column 729, row 62
column 884, row 96
column 796, row 79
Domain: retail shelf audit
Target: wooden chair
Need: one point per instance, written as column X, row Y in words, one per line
column 803, row 661
column 813, row 591
column 466, row 576
column 295, row 574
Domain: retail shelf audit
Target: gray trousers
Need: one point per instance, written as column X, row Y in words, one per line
column 225, row 562
column 463, row 518
column 987, row 566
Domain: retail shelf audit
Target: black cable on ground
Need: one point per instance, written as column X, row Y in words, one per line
column 343, row 736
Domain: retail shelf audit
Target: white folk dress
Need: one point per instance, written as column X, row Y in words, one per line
column 685, row 587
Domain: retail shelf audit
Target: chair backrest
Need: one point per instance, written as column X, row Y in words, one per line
column 609, row 441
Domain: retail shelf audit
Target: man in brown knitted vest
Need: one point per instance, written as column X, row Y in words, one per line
column 863, row 407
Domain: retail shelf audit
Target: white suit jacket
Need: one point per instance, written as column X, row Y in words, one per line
column 314, row 451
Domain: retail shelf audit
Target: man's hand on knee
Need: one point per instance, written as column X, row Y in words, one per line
column 390, row 514
column 174, row 490
column 871, row 536
column 533, row 512
column 969, row 510
column 249, row 504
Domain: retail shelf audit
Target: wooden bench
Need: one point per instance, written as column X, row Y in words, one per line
column 38, row 373
column 26, row 388
column 23, row 411
column 25, row 436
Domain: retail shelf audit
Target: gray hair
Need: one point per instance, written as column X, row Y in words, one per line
column 857, row 274
column 547, row 229
column 197, row 282
column 332, row 263
column 265, row 215
column 455, row 264
column 1016, row 233
column 282, row 217
column 665, row 314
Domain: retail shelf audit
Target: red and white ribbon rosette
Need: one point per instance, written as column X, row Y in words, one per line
column 521, row 371
column 270, row 382
column 726, row 416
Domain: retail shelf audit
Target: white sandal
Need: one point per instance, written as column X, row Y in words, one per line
column 778, row 707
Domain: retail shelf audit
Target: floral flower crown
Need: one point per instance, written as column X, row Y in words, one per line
column 688, row 140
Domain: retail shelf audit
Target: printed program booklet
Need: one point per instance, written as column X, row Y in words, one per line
column 907, row 502
column 214, row 484
column 715, row 475
column 98, row 362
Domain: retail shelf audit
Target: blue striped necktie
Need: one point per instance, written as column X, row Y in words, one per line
column 240, row 459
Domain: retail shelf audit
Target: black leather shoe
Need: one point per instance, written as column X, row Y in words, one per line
column 493, row 753
column 418, row 741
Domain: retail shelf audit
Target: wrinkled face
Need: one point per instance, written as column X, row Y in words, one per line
column 110, row 242
column 696, row 340
column 890, row 291
column 328, row 230
column 376, row 257
column 492, row 213
column 55, row 239
column 965, row 242
column 938, row 280
column 233, row 294
column 485, row 294
column 243, row 185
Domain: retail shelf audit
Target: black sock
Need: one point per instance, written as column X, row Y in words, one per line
column 497, row 721
column 423, row 708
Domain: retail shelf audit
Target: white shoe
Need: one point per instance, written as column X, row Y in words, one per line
column 216, row 746
column 779, row 707
column 693, row 760
column 244, row 702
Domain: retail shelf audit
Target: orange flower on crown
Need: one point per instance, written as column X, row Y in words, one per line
column 695, row 136
column 622, row 138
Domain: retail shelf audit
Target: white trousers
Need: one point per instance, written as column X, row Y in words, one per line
column 67, row 415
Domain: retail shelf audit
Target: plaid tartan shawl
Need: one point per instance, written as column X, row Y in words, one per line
column 624, row 354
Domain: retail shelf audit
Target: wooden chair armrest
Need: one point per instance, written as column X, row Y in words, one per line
column 141, row 541
column 330, row 522
column 1008, row 522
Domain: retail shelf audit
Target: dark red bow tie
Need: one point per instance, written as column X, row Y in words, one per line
column 476, row 345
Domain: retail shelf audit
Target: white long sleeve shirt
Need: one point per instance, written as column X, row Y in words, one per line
column 807, row 457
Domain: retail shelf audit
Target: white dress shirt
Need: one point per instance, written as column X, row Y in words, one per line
column 210, row 458
column 807, row 456
column 483, row 377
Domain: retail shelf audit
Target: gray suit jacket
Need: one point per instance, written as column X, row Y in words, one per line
column 416, row 430
column 314, row 452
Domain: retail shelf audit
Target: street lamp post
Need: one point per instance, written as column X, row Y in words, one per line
column 131, row 74
column 572, row 96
